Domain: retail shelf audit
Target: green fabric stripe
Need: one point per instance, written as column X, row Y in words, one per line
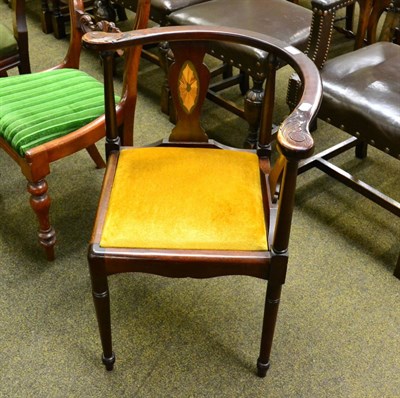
column 39, row 107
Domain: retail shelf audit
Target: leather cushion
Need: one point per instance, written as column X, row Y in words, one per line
column 186, row 198
column 362, row 93
column 39, row 107
column 160, row 9
column 280, row 19
column 8, row 44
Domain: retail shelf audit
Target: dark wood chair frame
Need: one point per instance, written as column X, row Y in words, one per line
column 21, row 58
column 35, row 165
column 321, row 160
column 293, row 140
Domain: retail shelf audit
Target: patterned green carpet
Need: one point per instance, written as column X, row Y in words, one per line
column 339, row 322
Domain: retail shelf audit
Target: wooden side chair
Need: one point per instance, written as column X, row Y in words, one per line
column 14, row 48
column 189, row 206
column 371, row 114
column 49, row 115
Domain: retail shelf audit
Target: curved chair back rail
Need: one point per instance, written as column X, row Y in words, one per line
column 307, row 105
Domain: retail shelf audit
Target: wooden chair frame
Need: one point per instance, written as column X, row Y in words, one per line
column 294, row 143
column 21, row 58
column 35, row 165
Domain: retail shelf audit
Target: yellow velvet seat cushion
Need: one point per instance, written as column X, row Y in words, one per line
column 186, row 198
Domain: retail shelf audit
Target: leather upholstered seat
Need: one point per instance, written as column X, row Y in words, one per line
column 361, row 93
column 276, row 18
column 161, row 9
column 361, row 96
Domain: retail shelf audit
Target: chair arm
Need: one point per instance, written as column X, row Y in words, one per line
column 294, row 138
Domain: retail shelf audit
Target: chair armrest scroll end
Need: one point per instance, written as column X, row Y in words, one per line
column 294, row 138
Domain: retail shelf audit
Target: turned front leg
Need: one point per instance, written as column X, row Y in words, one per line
column 101, row 300
column 40, row 203
column 269, row 322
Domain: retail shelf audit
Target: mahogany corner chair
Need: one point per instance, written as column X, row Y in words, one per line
column 49, row 115
column 371, row 114
column 14, row 46
column 189, row 206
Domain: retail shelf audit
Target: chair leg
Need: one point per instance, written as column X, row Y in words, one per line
column 244, row 84
column 361, row 150
column 397, row 269
column 40, row 203
column 252, row 111
column 101, row 300
column 121, row 13
column 270, row 314
column 95, row 155
column 45, row 17
column 58, row 20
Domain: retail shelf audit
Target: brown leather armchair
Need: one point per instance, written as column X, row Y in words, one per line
column 361, row 96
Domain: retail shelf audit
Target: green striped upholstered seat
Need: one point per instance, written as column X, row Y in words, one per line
column 39, row 107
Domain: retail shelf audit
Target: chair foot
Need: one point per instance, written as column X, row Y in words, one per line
column 48, row 239
column 109, row 362
column 40, row 203
column 262, row 368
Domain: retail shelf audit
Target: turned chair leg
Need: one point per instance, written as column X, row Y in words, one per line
column 95, row 155
column 101, row 300
column 58, row 20
column 45, row 17
column 361, row 150
column 270, row 314
column 40, row 203
column 397, row 269
column 252, row 111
